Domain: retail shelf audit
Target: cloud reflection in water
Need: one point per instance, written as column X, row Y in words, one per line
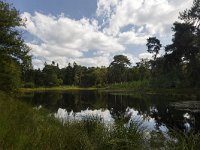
column 147, row 122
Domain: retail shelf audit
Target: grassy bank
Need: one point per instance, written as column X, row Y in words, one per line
column 22, row 127
column 58, row 88
column 145, row 88
column 135, row 86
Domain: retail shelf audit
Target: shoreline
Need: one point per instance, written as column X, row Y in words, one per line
column 190, row 92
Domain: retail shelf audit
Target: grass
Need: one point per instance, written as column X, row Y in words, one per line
column 145, row 88
column 136, row 86
column 22, row 127
column 189, row 141
column 58, row 88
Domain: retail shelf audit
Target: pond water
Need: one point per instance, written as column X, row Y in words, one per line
column 157, row 112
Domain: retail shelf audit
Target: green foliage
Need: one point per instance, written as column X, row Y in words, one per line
column 180, row 65
column 9, row 75
column 154, row 46
column 117, row 71
column 21, row 126
column 142, row 70
column 67, row 75
column 183, row 141
column 14, row 57
column 192, row 15
column 134, row 85
column 72, row 75
column 100, row 75
column 51, row 75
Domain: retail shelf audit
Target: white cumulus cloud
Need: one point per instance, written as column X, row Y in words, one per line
column 156, row 16
column 118, row 26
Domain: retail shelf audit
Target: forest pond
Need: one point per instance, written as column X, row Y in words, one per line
column 157, row 112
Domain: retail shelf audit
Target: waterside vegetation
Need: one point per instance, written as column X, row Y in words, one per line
column 58, row 88
column 21, row 126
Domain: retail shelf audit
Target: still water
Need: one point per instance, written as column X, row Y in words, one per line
column 157, row 112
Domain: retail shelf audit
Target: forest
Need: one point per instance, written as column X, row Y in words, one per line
column 176, row 65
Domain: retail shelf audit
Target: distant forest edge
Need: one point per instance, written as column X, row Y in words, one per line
column 178, row 67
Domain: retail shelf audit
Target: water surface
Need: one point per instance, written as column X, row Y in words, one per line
column 157, row 111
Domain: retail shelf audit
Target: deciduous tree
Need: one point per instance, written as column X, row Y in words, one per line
column 14, row 58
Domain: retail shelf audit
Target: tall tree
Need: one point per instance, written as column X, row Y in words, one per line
column 153, row 45
column 51, row 75
column 117, row 71
column 68, row 75
column 192, row 15
column 14, row 58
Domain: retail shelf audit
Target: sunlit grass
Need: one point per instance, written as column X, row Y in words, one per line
column 59, row 88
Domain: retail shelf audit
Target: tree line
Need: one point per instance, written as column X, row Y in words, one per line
column 178, row 66
column 119, row 71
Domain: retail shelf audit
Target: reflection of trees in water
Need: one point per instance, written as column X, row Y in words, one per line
column 119, row 103
column 162, row 113
column 116, row 102
column 174, row 119
column 49, row 100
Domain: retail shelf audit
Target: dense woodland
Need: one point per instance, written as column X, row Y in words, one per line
column 178, row 65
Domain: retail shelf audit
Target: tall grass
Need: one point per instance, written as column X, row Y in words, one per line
column 183, row 141
column 22, row 127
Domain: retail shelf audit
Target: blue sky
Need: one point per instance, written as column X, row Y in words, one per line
column 91, row 32
column 73, row 8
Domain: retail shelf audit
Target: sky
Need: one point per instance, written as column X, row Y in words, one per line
column 91, row 32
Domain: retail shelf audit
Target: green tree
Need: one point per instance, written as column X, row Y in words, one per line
column 192, row 18
column 14, row 58
column 78, row 73
column 117, row 71
column 154, row 46
column 100, row 75
column 51, row 75
column 87, row 77
column 67, row 74
column 143, row 69
column 184, row 51
column 192, row 15
column 39, row 78
column 9, row 74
